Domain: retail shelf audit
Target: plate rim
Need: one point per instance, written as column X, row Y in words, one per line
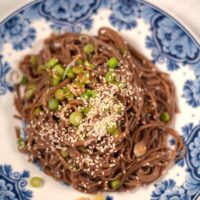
column 169, row 15
column 187, row 30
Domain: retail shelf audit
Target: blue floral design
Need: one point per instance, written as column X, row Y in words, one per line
column 4, row 69
column 70, row 15
column 109, row 198
column 168, row 191
column 32, row 12
column 157, row 55
column 192, row 186
column 124, row 13
column 192, row 141
column 169, row 41
column 6, row 191
column 1, row 42
column 174, row 41
column 197, row 88
column 147, row 12
column 12, row 184
column 18, row 32
column 87, row 24
column 186, row 131
column 150, row 44
column 196, row 68
column 13, row 28
column 194, row 152
column 191, row 91
column 67, row 9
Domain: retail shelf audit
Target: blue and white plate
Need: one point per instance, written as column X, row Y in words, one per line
column 154, row 33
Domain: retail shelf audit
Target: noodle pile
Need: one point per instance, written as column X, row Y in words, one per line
column 125, row 112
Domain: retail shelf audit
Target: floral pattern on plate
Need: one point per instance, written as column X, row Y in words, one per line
column 190, row 190
column 18, row 32
column 124, row 14
column 13, row 184
column 191, row 91
column 4, row 69
column 168, row 190
column 167, row 40
column 171, row 44
column 65, row 15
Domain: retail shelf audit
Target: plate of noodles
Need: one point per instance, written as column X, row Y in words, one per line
column 99, row 100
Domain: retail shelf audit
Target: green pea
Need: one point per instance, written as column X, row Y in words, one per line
column 93, row 93
column 29, row 94
column 115, row 132
column 79, row 84
column 33, row 60
column 66, row 90
column 55, row 81
column 78, row 69
column 113, row 63
column 36, row 182
column 88, row 94
column 110, row 77
column 41, row 68
column 30, row 91
column 79, row 61
column 114, row 184
column 76, row 118
column 120, row 85
column 89, row 48
column 24, row 80
column 69, row 73
column 51, row 63
column 85, row 95
column 84, row 77
column 112, row 129
column 53, row 104
column 88, row 65
column 63, row 153
column 164, row 116
column 68, row 93
column 37, row 111
column 70, row 97
column 31, row 87
column 77, row 88
column 111, row 70
column 60, row 94
column 21, row 143
column 86, row 110
column 59, row 70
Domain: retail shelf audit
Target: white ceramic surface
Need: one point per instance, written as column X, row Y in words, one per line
column 153, row 32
